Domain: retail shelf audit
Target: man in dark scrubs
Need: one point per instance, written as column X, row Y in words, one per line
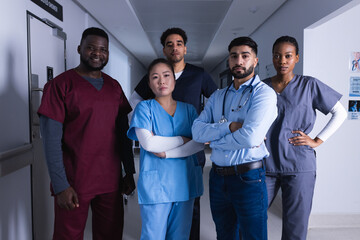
column 83, row 118
column 191, row 83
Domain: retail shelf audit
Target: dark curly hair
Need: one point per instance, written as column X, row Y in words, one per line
column 170, row 31
column 94, row 31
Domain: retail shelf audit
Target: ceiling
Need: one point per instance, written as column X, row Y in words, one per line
column 210, row 24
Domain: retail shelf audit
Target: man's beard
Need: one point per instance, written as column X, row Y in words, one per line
column 92, row 68
column 246, row 73
column 175, row 59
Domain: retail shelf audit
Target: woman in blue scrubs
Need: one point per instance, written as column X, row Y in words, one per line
column 170, row 177
column 292, row 162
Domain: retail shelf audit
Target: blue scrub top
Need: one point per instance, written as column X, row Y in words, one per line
column 296, row 111
column 170, row 179
column 192, row 83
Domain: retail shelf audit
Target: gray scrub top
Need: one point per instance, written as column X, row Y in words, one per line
column 296, row 111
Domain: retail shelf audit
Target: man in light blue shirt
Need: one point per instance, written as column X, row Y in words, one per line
column 235, row 121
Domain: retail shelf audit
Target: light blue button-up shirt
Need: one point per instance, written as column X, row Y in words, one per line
column 247, row 143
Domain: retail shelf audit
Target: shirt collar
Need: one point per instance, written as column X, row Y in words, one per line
column 245, row 84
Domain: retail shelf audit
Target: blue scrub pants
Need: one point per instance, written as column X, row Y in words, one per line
column 170, row 221
column 297, row 193
column 239, row 202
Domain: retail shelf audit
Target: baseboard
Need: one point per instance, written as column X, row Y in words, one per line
column 334, row 221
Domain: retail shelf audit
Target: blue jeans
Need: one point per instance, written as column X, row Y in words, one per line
column 239, row 202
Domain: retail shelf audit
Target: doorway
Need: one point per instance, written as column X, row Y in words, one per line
column 46, row 59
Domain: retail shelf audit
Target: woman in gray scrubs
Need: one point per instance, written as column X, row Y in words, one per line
column 292, row 162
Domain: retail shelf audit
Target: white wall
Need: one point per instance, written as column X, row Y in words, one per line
column 327, row 48
column 15, row 214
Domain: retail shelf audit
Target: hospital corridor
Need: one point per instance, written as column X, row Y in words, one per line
column 169, row 100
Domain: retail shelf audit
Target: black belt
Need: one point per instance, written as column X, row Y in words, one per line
column 237, row 169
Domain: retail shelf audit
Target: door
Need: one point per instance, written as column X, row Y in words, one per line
column 46, row 58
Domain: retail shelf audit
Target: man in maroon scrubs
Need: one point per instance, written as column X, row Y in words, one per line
column 83, row 118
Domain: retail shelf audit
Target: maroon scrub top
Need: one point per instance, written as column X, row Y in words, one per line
column 91, row 158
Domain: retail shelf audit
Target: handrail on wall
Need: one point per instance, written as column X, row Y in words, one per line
column 16, row 158
column 15, row 151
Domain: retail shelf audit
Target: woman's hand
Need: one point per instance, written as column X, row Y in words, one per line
column 185, row 139
column 304, row 139
column 160, row 155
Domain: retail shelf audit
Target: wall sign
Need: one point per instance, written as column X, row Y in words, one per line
column 52, row 7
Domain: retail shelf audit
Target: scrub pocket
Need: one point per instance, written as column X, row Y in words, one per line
column 149, row 187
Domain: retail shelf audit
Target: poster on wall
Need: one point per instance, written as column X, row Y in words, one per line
column 354, row 87
column 355, row 62
column 354, row 110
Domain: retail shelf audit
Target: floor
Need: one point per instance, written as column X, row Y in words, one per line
column 132, row 226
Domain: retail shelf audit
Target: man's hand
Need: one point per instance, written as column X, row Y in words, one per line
column 234, row 126
column 67, row 199
column 128, row 184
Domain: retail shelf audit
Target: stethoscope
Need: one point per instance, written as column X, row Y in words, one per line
column 250, row 87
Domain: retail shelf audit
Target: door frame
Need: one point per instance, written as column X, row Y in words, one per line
column 34, row 132
column 57, row 31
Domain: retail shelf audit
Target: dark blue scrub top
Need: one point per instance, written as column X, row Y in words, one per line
column 296, row 111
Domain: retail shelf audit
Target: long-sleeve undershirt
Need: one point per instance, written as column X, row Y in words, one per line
column 173, row 147
column 339, row 115
column 52, row 132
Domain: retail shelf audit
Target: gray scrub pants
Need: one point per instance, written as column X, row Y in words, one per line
column 297, row 193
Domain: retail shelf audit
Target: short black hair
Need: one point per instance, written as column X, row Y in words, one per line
column 287, row 39
column 157, row 61
column 94, row 31
column 243, row 41
column 170, row 31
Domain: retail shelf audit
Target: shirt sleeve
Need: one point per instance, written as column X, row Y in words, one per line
column 143, row 89
column 141, row 119
column 157, row 144
column 324, row 97
column 339, row 115
column 51, row 132
column 204, row 129
column 262, row 113
column 52, row 101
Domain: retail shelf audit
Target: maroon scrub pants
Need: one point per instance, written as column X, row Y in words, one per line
column 107, row 218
